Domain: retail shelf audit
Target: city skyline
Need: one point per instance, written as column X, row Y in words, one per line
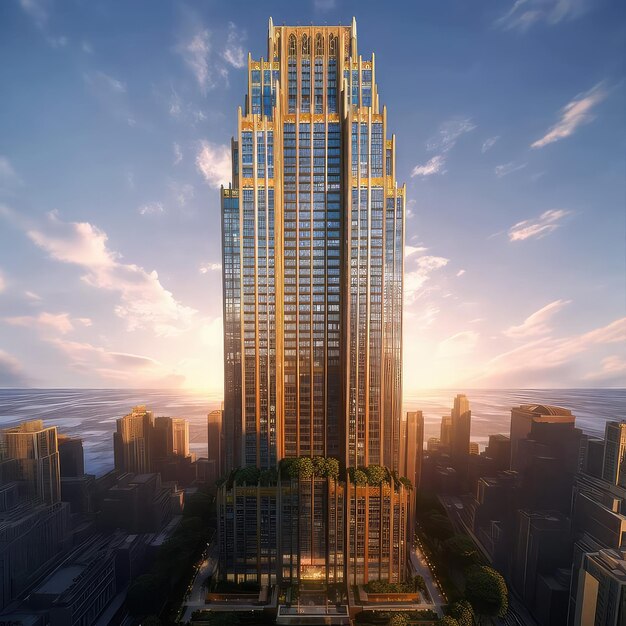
column 514, row 188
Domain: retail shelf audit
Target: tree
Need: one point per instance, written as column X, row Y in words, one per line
column 462, row 612
column 461, row 550
column 447, row 620
column 487, row 592
column 359, row 477
column 145, row 595
column 377, row 475
column 436, row 525
column 304, row 468
column 398, row 619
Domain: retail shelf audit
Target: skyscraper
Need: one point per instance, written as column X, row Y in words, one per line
column 36, row 450
column 132, row 441
column 313, row 242
column 614, row 462
column 461, row 422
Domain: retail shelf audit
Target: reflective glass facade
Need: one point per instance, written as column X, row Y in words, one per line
column 313, row 237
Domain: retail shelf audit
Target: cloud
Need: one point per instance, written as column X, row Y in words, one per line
column 458, row 344
column 143, row 301
column 434, row 166
column 460, row 273
column 59, row 322
column 8, row 176
column 37, row 10
column 151, row 208
column 507, row 168
column 181, row 192
column 178, row 155
column 449, row 133
column 612, row 368
column 112, row 95
column 196, row 54
column 11, row 371
column 573, row 115
column 86, row 47
column 213, row 161
column 539, row 227
column 31, row 295
column 3, row 282
column 537, row 323
column 234, row 53
column 528, row 364
column 525, row 13
column 324, row 5
column 121, row 367
column 445, row 139
column 205, row 268
column 100, row 80
column 415, row 279
column 489, row 143
column 411, row 250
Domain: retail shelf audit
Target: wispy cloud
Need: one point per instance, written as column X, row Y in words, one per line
column 205, row 268
column 8, row 176
column 539, row 227
column 182, row 193
column 11, row 371
column 37, row 10
column 120, row 367
column 460, row 273
column 433, row 166
column 573, row 115
column 525, row 13
column 445, row 139
column 537, row 323
column 178, row 153
column 449, row 133
column 60, row 323
column 419, row 274
column 508, row 168
column 234, row 53
column 3, row 282
column 151, row 208
column 611, row 368
column 460, row 343
column 143, row 301
column 32, row 296
column 213, row 161
column 196, row 55
column 528, row 364
column 489, row 143
column 111, row 93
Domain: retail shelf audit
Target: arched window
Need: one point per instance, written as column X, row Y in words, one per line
column 292, row 45
column 319, row 45
column 332, row 46
column 306, row 48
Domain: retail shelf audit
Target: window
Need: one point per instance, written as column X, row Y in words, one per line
column 319, row 45
column 292, row 45
column 306, row 48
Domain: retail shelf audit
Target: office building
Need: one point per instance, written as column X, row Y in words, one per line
column 614, row 462
column 601, row 597
column 71, row 456
column 214, row 439
column 460, row 427
column 445, row 430
column 524, row 416
column 35, row 449
column 132, row 441
column 313, row 242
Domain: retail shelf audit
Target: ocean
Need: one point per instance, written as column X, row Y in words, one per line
column 91, row 413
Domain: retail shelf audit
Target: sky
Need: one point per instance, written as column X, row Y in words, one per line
column 115, row 122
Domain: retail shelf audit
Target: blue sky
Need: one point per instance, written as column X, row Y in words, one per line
column 114, row 123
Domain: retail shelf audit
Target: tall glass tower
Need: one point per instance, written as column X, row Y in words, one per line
column 313, row 242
